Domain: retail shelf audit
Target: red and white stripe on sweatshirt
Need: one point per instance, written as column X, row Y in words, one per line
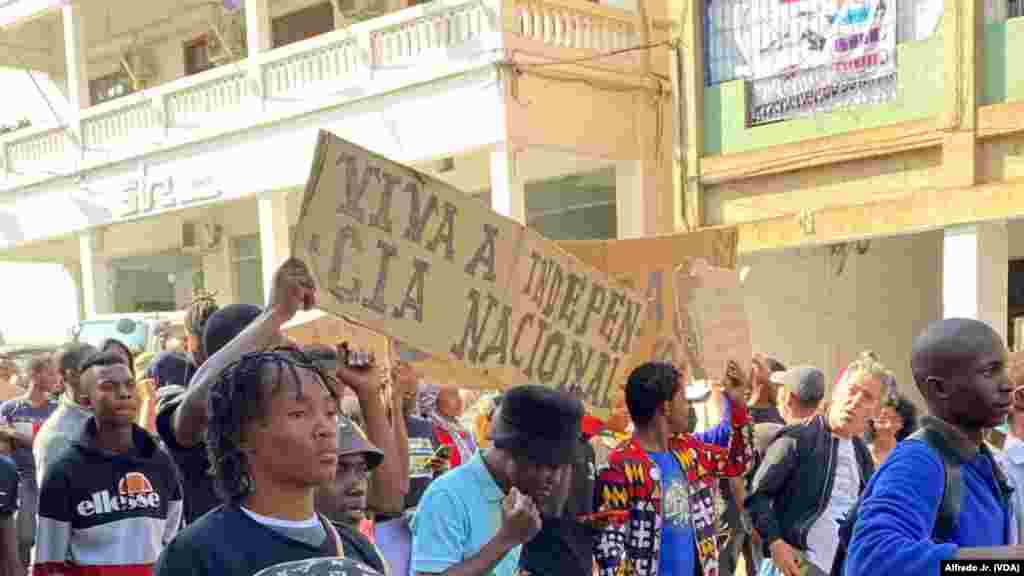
column 106, row 515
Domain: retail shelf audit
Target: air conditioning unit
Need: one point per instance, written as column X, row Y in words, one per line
column 190, row 242
column 199, row 236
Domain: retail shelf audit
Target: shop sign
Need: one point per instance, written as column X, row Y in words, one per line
column 148, row 195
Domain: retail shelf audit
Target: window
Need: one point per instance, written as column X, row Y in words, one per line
column 576, row 207
column 245, row 256
column 109, row 87
column 303, row 24
column 197, row 56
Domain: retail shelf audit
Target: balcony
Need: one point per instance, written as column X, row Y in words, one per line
column 388, row 54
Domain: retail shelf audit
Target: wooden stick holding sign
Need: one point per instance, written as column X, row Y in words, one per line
column 414, row 258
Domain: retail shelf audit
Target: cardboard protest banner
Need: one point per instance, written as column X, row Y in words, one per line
column 709, row 300
column 651, row 265
column 413, row 258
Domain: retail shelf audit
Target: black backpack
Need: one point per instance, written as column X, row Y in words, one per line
column 949, row 508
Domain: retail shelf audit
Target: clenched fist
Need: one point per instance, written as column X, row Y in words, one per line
column 294, row 289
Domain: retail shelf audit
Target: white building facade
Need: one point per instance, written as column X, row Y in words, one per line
column 185, row 130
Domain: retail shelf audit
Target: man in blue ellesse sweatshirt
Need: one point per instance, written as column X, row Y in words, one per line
column 960, row 367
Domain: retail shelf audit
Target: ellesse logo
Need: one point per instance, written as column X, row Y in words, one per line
column 134, row 484
column 134, row 491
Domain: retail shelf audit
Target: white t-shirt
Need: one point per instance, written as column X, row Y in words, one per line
column 824, row 534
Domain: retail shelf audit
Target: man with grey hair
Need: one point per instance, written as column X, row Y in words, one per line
column 815, row 470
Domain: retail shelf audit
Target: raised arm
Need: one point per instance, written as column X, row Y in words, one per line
column 736, row 430
column 293, row 290
column 386, row 494
column 405, row 382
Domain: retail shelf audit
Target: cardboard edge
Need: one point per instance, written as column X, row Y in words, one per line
column 319, row 157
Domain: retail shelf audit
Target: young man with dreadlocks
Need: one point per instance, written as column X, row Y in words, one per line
column 176, row 367
column 229, row 333
column 272, row 440
column 199, row 312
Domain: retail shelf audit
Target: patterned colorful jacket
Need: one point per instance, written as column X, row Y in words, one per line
column 631, row 482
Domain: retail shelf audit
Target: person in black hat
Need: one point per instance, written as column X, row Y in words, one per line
column 474, row 519
column 343, row 501
column 564, row 545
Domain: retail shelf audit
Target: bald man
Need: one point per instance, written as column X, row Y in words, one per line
column 959, row 365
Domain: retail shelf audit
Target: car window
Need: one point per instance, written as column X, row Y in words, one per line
column 94, row 332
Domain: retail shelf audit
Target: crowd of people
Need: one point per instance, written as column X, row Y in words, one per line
column 248, row 453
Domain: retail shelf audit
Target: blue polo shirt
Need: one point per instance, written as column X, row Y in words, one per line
column 458, row 515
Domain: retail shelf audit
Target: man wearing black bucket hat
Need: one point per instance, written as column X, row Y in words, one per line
column 565, row 544
column 474, row 519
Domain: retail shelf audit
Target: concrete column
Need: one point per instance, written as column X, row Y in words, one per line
column 75, row 53
column 975, row 274
column 96, row 289
column 508, row 191
column 275, row 246
column 963, row 34
column 74, row 270
column 258, row 30
column 686, row 68
column 636, row 200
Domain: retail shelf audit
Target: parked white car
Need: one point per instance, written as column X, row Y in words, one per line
column 145, row 332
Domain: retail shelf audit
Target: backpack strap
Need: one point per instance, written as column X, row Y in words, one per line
column 949, row 508
column 332, row 532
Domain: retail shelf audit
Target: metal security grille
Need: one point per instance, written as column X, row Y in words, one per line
column 808, row 56
column 734, row 29
column 727, row 27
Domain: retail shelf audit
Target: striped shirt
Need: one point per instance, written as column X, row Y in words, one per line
column 104, row 514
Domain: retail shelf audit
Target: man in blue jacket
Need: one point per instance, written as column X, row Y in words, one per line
column 960, row 367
